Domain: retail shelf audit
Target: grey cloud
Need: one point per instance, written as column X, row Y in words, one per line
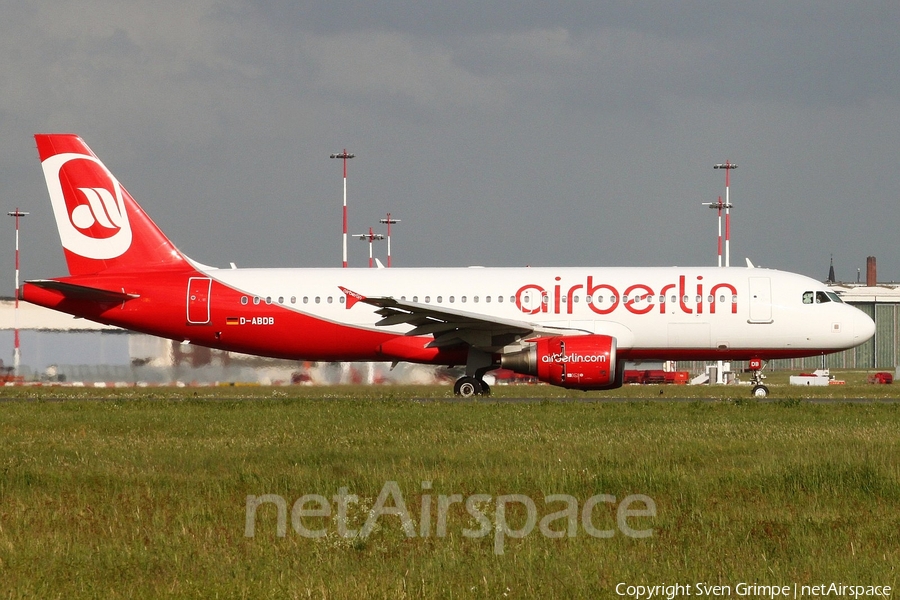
column 507, row 133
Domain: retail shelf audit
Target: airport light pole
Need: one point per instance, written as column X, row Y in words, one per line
column 389, row 221
column 344, row 155
column 371, row 237
column 720, row 365
column 718, row 206
column 728, row 166
column 17, row 354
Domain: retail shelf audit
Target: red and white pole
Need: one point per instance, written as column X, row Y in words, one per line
column 727, row 165
column 344, row 155
column 727, row 216
column 17, row 353
column 389, row 239
column 719, row 241
column 388, row 221
column 370, row 237
column 718, row 206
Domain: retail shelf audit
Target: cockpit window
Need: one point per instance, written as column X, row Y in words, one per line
column 820, row 297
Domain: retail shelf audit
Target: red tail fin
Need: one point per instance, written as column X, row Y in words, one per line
column 100, row 225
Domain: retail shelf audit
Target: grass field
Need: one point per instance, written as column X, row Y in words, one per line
column 143, row 493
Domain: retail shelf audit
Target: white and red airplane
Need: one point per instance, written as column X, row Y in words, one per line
column 571, row 327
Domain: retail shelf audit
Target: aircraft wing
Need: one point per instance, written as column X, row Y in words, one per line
column 451, row 327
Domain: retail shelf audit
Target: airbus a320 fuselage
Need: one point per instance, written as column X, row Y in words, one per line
column 572, row 327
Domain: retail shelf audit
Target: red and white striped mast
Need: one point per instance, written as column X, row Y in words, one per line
column 344, row 155
column 388, row 221
column 17, row 353
column 718, row 206
column 371, row 237
column 728, row 166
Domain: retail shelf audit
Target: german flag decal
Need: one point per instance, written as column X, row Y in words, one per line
column 233, row 321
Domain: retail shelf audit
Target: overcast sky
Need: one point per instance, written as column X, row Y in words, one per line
column 526, row 132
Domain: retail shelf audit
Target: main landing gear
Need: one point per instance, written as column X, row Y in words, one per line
column 759, row 390
column 471, row 386
column 478, row 363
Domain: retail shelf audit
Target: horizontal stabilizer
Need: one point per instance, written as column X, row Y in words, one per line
column 80, row 292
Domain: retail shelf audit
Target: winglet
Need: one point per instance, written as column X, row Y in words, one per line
column 352, row 297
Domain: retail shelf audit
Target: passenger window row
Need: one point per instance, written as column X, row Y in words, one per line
column 340, row 299
column 807, row 299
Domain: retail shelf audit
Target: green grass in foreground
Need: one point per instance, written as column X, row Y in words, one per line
column 135, row 493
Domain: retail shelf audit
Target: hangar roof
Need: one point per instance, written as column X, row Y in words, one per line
column 851, row 292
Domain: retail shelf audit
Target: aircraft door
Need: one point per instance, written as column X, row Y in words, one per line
column 198, row 300
column 760, row 300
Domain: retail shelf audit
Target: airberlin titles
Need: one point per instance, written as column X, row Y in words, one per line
column 638, row 298
column 561, row 358
column 601, row 298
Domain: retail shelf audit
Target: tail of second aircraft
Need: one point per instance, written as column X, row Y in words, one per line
column 101, row 227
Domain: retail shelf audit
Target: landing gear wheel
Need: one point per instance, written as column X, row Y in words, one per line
column 756, row 369
column 467, row 387
column 759, row 391
column 485, row 388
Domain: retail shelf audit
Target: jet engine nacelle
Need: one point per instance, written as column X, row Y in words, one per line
column 586, row 362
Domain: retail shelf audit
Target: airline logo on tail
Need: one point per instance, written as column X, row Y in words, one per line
column 88, row 206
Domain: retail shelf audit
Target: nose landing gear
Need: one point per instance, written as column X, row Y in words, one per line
column 756, row 366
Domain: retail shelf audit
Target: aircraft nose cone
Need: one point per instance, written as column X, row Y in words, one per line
column 863, row 327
